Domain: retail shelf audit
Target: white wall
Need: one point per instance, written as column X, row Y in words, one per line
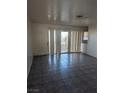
column 29, row 48
column 84, row 47
column 39, row 39
column 92, row 40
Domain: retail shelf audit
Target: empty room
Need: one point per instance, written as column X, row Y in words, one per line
column 62, row 46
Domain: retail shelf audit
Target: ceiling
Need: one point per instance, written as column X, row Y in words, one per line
column 63, row 12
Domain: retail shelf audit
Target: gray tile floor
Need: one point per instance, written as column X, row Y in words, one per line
column 65, row 73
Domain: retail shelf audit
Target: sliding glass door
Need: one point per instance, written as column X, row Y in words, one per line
column 64, row 42
column 61, row 41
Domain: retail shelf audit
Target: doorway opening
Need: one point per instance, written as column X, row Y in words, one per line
column 64, row 42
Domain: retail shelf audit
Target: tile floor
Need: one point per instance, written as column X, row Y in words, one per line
column 65, row 73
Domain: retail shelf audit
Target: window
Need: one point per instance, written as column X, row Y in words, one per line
column 85, row 37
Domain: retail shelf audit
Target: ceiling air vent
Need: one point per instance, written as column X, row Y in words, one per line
column 79, row 16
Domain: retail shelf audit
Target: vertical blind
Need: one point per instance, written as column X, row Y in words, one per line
column 74, row 40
